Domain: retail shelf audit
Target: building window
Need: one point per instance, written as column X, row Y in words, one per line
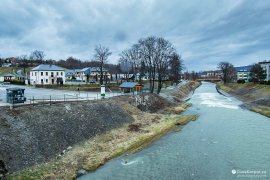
column 46, row 73
column 35, row 73
column 41, row 73
column 51, row 74
column 61, row 73
column 57, row 73
column 32, row 74
column 46, row 80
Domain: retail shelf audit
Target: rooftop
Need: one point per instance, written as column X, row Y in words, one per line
column 264, row 62
column 47, row 67
column 15, row 89
column 128, row 85
column 243, row 68
column 8, row 75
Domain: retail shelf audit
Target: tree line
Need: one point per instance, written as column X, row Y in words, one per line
column 151, row 57
column 256, row 73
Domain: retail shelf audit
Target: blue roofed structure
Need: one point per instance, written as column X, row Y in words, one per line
column 47, row 74
column 8, row 75
column 128, row 87
column 47, row 67
column 243, row 68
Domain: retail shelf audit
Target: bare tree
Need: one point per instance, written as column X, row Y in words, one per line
column 151, row 55
column 163, row 54
column 176, row 67
column 147, row 54
column 23, row 62
column 101, row 55
column 37, row 56
column 228, row 71
column 125, row 62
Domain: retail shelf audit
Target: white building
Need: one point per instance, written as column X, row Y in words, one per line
column 266, row 66
column 47, row 74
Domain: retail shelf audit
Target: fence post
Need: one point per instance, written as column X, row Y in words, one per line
column 77, row 98
column 64, row 98
column 87, row 97
column 33, row 101
column 50, row 99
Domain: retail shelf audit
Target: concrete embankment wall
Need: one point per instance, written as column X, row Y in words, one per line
column 30, row 135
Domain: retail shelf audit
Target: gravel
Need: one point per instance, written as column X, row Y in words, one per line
column 30, row 135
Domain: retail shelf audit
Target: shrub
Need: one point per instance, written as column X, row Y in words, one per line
column 241, row 81
column 17, row 82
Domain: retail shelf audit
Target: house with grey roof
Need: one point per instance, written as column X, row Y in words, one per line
column 128, row 87
column 72, row 74
column 92, row 73
column 47, row 74
column 7, row 77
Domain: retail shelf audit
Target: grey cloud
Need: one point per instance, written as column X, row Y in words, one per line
column 204, row 32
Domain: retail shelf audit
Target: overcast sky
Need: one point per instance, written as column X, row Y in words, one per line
column 204, row 32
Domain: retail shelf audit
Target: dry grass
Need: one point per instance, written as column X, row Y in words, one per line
column 178, row 109
column 263, row 110
column 249, row 93
column 96, row 151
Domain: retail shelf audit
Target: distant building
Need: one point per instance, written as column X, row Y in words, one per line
column 266, row 66
column 243, row 73
column 47, row 74
column 144, row 77
column 6, row 65
column 211, row 74
column 128, row 87
column 92, row 73
column 8, row 77
column 72, row 74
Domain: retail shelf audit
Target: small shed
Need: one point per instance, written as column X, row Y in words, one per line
column 128, row 87
column 8, row 77
column 15, row 95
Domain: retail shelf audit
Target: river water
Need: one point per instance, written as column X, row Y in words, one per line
column 226, row 142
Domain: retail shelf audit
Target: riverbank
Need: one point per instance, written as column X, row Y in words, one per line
column 148, row 122
column 256, row 97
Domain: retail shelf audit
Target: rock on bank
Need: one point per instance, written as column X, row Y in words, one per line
column 30, row 135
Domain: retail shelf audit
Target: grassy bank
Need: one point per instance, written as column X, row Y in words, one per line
column 96, row 151
column 255, row 96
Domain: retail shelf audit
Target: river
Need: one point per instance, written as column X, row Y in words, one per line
column 226, row 142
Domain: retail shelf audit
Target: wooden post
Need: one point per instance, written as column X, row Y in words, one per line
column 50, row 100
